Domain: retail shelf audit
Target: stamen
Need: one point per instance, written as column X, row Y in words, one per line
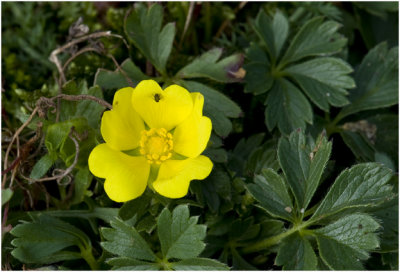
column 156, row 145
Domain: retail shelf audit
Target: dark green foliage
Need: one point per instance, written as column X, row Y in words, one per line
column 320, row 192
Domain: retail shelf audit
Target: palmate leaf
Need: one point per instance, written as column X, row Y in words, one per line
column 329, row 74
column 271, row 191
column 287, row 107
column 143, row 28
column 181, row 240
column 180, row 236
column 324, row 79
column 208, row 66
column 362, row 185
column 296, row 253
column 315, row 38
column 272, row 32
column 345, row 242
column 377, row 81
column 303, row 165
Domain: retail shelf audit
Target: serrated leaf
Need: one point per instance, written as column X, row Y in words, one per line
column 287, row 108
column 377, row 81
column 208, row 66
column 115, row 79
column 43, row 240
column 315, row 38
column 324, row 80
column 272, row 32
column 127, row 264
column 143, row 28
column 360, row 186
column 302, row 165
column 123, row 240
column 271, row 191
column 296, row 253
column 194, row 264
column 258, row 75
column 179, row 235
column 345, row 242
column 217, row 106
column 41, row 167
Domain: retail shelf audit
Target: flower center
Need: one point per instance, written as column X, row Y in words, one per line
column 156, row 145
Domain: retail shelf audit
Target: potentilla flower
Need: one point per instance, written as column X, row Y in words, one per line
column 152, row 137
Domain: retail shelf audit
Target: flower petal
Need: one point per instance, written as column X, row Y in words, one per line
column 126, row 176
column 191, row 136
column 161, row 109
column 121, row 126
column 174, row 176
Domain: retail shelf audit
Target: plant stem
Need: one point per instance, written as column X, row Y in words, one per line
column 263, row 244
column 88, row 256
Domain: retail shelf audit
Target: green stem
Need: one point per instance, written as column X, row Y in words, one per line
column 89, row 258
column 263, row 244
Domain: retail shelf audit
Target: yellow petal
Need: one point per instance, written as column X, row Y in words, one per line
column 126, row 176
column 161, row 108
column 174, row 176
column 121, row 126
column 191, row 136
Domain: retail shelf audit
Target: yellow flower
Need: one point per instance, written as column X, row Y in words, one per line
column 152, row 137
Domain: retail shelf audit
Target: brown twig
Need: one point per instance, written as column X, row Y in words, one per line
column 80, row 52
column 53, row 56
column 121, row 70
column 41, row 105
column 16, row 134
column 187, row 22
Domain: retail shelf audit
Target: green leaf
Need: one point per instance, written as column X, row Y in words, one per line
column 41, row 167
column 43, row 240
column 345, row 242
column 376, row 80
column 82, row 180
column 302, row 165
column 208, row 66
column 324, row 80
column 360, row 186
column 179, row 235
column 271, row 191
column 115, row 79
column 315, row 38
column 199, row 264
column 287, row 107
column 273, row 33
column 125, row 263
column 89, row 109
column 359, row 145
column 6, row 195
column 296, row 253
column 57, row 133
column 123, row 240
column 217, row 106
column 258, row 76
column 143, row 28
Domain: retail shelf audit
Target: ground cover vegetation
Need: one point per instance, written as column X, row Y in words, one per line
column 302, row 99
